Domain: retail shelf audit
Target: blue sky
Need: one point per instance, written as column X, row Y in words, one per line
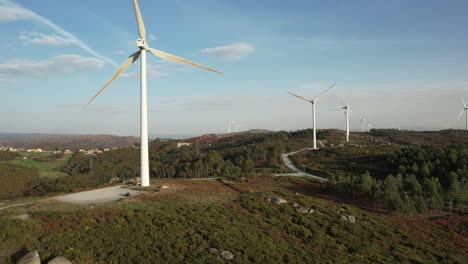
column 405, row 63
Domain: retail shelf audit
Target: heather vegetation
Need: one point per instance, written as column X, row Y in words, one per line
column 181, row 227
column 7, row 155
column 15, row 179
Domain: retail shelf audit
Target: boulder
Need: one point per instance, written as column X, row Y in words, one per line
column 227, row 255
column 164, row 187
column 59, row 260
column 277, row 200
column 21, row 217
column 352, row 219
column 30, row 258
column 305, row 210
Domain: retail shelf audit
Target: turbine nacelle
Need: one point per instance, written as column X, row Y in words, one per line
column 142, row 44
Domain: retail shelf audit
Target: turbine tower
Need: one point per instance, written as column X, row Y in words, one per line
column 345, row 107
column 229, row 126
column 143, row 49
column 465, row 110
column 313, row 102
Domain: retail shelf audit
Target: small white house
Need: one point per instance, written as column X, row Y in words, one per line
column 183, row 144
column 34, row 150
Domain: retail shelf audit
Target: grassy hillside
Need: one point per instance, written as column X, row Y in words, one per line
column 181, row 223
column 46, row 165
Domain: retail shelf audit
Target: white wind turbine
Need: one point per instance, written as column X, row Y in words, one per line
column 363, row 119
column 465, row 110
column 237, row 125
column 229, row 126
column 369, row 125
column 143, row 46
column 313, row 102
column 345, row 107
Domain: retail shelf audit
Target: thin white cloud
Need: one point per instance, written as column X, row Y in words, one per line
column 231, row 52
column 10, row 11
column 45, row 39
column 151, row 37
column 63, row 64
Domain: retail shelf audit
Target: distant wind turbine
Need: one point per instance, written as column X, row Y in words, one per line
column 229, row 126
column 345, row 107
column 465, row 110
column 363, row 119
column 313, row 102
column 143, row 46
column 446, row 125
column 237, row 125
column 369, row 125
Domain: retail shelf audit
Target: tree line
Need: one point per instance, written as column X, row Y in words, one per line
column 423, row 178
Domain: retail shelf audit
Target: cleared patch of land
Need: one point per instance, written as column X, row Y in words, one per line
column 103, row 195
column 45, row 169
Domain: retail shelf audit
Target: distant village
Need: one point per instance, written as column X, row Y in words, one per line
column 92, row 151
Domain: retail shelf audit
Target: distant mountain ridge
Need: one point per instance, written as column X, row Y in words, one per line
column 51, row 141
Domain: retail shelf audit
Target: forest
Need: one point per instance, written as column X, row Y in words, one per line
column 420, row 178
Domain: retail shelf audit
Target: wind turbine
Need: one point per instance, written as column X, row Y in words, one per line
column 369, row 125
column 143, row 46
column 465, row 110
column 313, row 102
column 229, row 126
column 237, row 125
column 345, row 107
column 363, row 119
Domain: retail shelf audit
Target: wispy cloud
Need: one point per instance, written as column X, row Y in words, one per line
column 45, row 39
column 151, row 37
column 231, row 52
column 10, row 11
column 63, row 64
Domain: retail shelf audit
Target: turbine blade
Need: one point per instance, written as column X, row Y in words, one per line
column 320, row 95
column 167, row 56
column 139, row 20
column 347, row 99
column 129, row 61
column 339, row 100
column 461, row 113
column 463, row 101
column 300, row 96
column 336, row 109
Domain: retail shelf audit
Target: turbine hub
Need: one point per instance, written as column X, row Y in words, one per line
column 141, row 43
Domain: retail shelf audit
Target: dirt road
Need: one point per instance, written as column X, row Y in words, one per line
column 299, row 173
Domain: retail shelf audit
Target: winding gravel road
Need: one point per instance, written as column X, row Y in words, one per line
column 298, row 172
